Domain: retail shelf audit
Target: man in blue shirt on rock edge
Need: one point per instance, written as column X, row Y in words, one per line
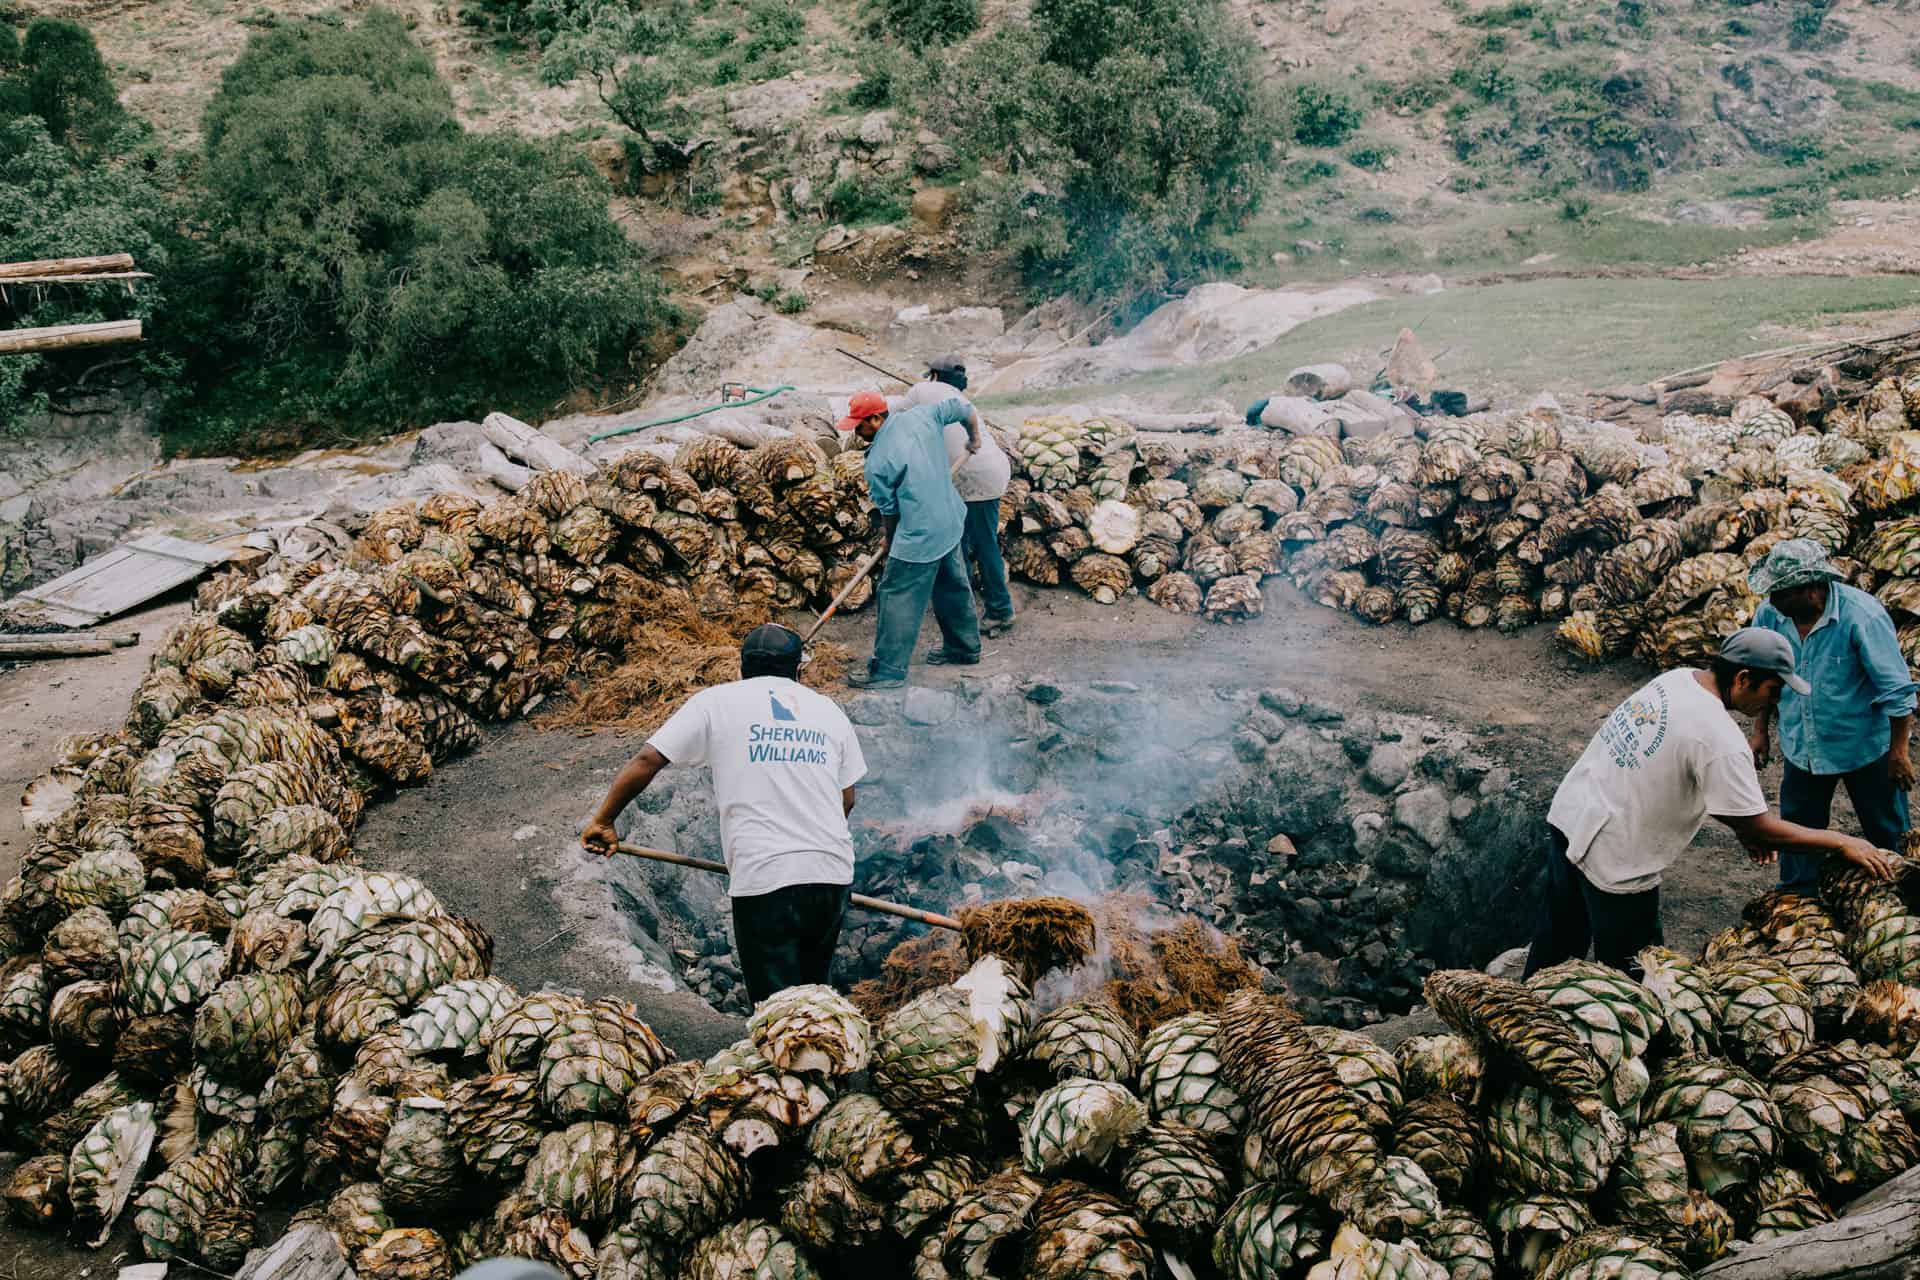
column 911, row 484
column 1853, row 728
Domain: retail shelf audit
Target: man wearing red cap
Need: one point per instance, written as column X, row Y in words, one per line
column 911, row 486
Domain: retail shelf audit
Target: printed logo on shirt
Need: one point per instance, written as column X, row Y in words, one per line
column 785, row 743
column 779, row 711
column 1636, row 729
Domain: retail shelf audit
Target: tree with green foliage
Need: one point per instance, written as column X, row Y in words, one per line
column 67, row 84
column 1324, row 115
column 636, row 91
column 921, row 23
column 1122, row 139
column 367, row 260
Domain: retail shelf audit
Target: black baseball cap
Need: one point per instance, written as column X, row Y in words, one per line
column 771, row 640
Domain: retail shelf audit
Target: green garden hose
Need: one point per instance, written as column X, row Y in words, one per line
column 759, row 395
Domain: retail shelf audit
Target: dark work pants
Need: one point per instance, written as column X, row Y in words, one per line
column 1576, row 915
column 786, row 938
column 982, row 542
column 1807, row 799
column 905, row 591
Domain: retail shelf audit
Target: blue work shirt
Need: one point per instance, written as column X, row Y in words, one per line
column 908, row 475
column 1852, row 659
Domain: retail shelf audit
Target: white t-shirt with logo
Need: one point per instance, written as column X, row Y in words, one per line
column 781, row 754
column 1666, row 758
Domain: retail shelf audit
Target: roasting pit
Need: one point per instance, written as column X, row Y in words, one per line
column 1345, row 853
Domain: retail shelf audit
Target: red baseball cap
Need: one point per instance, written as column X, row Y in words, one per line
column 864, row 405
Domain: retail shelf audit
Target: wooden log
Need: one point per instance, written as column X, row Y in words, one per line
column 502, row 470
column 10, row 281
column 1882, row 1243
column 524, row 444
column 68, row 645
column 67, row 266
column 1906, row 1186
column 860, row 900
column 1320, row 381
column 307, row 1252
column 65, row 337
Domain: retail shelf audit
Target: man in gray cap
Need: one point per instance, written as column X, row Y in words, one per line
column 982, row 482
column 1667, row 758
column 784, row 761
column 1853, row 727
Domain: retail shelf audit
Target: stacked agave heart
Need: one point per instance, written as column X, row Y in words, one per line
column 267, row 1022
column 1500, row 519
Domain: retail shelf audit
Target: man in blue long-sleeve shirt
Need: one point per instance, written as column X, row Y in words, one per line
column 911, row 485
column 1853, row 728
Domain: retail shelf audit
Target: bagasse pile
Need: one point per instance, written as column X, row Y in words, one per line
column 1502, row 520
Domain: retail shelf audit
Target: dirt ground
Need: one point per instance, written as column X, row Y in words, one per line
column 494, row 833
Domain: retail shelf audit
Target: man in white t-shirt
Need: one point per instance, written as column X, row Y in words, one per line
column 981, row 481
column 1667, row 758
column 784, row 761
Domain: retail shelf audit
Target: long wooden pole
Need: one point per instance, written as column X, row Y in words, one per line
column 63, row 646
column 67, row 266
column 859, row 576
column 68, row 336
column 861, row 900
column 11, row 282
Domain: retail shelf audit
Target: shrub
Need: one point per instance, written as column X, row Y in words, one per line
column 930, row 22
column 773, row 26
column 1796, row 204
column 61, row 78
column 1304, row 173
column 1372, row 155
column 1129, row 137
column 364, row 259
column 862, row 200
column 1576, row 209
column 1323, row 115
column 1422, row 93
column 1803, row 149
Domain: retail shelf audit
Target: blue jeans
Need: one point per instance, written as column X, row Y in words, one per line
column 982, row 541
column 1807, row 799
column 905, row 591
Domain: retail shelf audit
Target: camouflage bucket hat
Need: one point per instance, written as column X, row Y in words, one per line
column 1793, row 563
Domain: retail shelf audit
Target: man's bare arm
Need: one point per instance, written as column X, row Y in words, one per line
column 846, row 801
column 1765, row 834
column 599, row 836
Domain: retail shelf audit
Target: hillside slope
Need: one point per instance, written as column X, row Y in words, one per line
column 1463, row 135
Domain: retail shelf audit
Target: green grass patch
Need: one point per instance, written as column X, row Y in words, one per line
column 1560, row 335
column 1499, row 239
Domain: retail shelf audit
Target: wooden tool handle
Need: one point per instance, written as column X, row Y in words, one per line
column 859, row 576
column 860, row 900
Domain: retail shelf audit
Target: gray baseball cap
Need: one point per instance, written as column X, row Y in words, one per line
column 1764, row 650
column 947, row 362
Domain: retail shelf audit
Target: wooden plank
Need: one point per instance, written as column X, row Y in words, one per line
column 67, row 266
column 68, row 336
column 118, row 580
